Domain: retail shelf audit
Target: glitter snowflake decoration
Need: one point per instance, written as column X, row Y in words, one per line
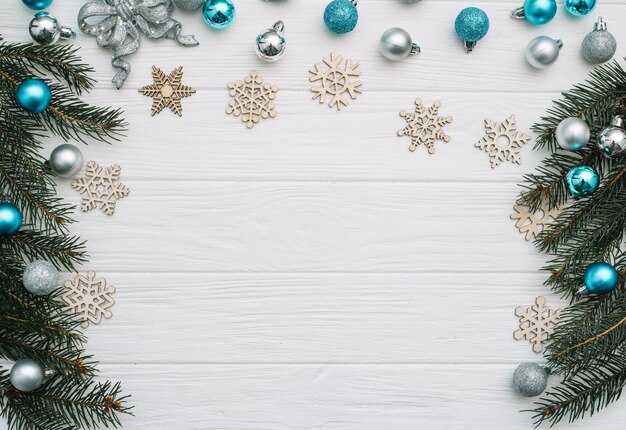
column 89, row 298
column 335, row 80
column 502, row 141
column 533, row 223
column 167, row 91
column 101, row 187
column 536, row 323
column 425, row 126
column 252, row 99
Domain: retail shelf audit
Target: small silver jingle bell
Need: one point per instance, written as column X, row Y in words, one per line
column 270, row 45
column 44, row 29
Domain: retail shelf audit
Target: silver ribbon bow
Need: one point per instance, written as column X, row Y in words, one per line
column 121, row 26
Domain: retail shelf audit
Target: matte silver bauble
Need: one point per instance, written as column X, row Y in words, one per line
column 612, row 139
column 542, row 51
column 44, row 29
column 66, row 160
column 270, row 45
column 188, row 5
column 27, row 375
column 572, row 134
column 530, row 379
column 396, row 44
column 600, row 45
column 40, row 278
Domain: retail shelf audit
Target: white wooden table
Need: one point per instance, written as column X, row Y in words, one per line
column 312, row 273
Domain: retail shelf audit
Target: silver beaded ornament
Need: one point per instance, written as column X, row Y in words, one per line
column 543, row 51
column 270, row 45
column 612, row 139
column 188, row 5
column 530, row 379
column 27, row 375
column 45, row 29
column 66, row 160
column 572, row 134
column 600, row 45
column 40, row 278
column 396, row 44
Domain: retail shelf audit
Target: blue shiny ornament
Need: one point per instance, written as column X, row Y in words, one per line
column 582, row 181
column 37, row 4
column 600, row 278
column 472, row 24
column 33, row 95
column 10, row 219
column 539, row 12
column 580, row 7
column 341, row 16
column 218, row 14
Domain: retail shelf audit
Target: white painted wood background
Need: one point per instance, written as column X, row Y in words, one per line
column 312, row 273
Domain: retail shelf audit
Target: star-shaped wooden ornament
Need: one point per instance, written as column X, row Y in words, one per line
column 167, row 91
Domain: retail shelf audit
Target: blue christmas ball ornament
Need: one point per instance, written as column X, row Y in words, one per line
column 580, row 7
column 37, row 4
column 537, row 12
column 600, row 278
column 218, row 14
column 582, row 181
column 33, row 95
column 10, row 219
column 472, row 24
column 341, row 16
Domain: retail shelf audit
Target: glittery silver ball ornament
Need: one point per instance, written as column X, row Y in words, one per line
column 188, row 5
column 270, row 45
column 44, row 29
column 599, row 46
column 40, row 278
column 612, row 139
column 396, row 44
column 66, row 160
column 530, row 379
column 572, row 134
column 542, row 51
column 27, row 375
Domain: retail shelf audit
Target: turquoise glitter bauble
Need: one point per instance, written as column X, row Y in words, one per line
column 580, row 7
column 341, row 16
column 472, row 24
column 10, row 219
column 539, row 11
column 37, row 4
column 600, row 278
column 33, row 95
column 582, row 181
column 218, row 13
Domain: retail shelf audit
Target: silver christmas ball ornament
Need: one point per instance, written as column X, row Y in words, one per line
column 612, row 139
column 396, row 44
column 66, row 160
column 45, row 29
column 600, row 45
column 542, row 51
column 530, row 379
column 270, row 45
column 572, row 134
column 40, row 278
column 27, row 375
column 188, row 5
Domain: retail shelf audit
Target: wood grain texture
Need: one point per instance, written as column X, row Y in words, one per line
column 312, row 273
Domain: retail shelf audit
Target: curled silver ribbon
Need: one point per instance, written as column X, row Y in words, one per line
column 121, row 26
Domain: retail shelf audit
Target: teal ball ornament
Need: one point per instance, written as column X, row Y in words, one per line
column 600, row 278
column 580, row 7
column 218, row 14
column 537, row 12
column 37, row 4
column 33, row 95
column 10, row 219
column 582, row 181
column 472, row 24
column 341, row 16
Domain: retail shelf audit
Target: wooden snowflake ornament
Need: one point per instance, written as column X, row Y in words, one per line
column 89, row 298
column 101, row 187
column 335, row 80
column 167, row 91
column 534, row 223
column 502, row 141
column 424, row 126
column 536, row 323
column 252, row 99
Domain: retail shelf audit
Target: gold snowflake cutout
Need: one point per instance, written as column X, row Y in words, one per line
column 425, row 126
column 167, row 91
column 88, row 298
column 502, row 141
column 536, row 323
column 335, row 80
column 533, row 223
column 252, row 99
column 101, row 187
